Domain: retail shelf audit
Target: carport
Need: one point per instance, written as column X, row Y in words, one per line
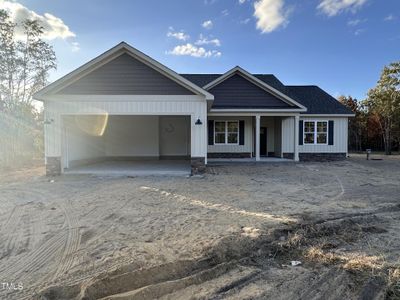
column 134, row 145
column 124, row 106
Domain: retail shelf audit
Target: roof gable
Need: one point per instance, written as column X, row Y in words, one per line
column 125, row 75
column 237, row 92
column 272, row 92
column 317, row 101
column 121, row 49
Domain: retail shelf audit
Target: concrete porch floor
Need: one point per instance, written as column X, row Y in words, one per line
column 248, row 160
column 134, row 168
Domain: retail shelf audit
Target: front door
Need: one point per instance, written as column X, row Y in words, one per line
column 263, row 141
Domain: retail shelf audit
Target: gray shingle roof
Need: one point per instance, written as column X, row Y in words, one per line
column 314, row 98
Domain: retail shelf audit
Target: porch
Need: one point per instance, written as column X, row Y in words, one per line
column 263, row 137
column 215, row 161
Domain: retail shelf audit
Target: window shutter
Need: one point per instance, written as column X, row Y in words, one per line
column 330, row 132
column 241, row 132
column 211, row 132
column 301, row 132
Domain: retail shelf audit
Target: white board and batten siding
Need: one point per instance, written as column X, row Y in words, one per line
column 179, row 105
column 339, row 137
column 287, row 135
column 248, row 137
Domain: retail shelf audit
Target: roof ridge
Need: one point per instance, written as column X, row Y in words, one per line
column 302, row 85
column 270, row 74
column 201, row 73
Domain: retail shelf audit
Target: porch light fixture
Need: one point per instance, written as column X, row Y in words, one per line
column 198, row 122
column 48, row 121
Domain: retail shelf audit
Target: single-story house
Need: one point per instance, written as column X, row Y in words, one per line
column 124, row 105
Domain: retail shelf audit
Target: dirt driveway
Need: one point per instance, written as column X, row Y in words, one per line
column 228, row 235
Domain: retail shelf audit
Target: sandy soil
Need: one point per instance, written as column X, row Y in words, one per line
column 228, row 235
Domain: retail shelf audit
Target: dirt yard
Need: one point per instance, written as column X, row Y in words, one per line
column 231, row 234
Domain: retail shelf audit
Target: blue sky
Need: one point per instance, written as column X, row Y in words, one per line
column 340, row 45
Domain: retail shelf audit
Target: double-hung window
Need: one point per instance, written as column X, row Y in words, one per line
column 315, row 132
column 226, row 132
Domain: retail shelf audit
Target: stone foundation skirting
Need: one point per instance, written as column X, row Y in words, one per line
column 53, row 166
column 229, row 155
column 198, row 165
column 321, row 156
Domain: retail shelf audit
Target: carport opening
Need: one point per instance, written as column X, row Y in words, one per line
column 124, row 144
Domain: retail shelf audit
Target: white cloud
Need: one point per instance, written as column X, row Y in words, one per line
column 75, row 47
column 206, row 41
column 242, row 1
column 359, row 31
column 207, row 24
column 194, row 51
column 179, row 35
column 389, row 18
column 271, row 14
column 335, row 7
column 53, row 27
column 356, row 22
column 225, row 13
column 245, row 21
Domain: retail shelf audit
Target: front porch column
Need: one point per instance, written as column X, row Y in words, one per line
column 258, row 119
column 296, row 138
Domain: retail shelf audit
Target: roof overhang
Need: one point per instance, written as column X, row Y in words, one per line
column 109, row 55
column 329, row 115
column 259, row 83
column 255, row 110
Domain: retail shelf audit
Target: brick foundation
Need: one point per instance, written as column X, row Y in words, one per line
column 321, row 156
column 53, row 166
column 288, row 155
column 198, row 165
column 229, row 155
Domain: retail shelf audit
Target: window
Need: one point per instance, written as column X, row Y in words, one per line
column 315, row 132
column 226, row 132
column 309, row 130
column 322, row 132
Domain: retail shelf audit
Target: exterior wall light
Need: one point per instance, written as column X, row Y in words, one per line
column 198, row 122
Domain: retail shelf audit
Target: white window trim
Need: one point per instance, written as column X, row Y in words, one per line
column 316, row 133
column 226, row 132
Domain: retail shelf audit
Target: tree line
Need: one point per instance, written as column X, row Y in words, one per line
column 376, row 124
column 25, row 63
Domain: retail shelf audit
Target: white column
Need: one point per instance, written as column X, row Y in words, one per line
column 281, row 137
column 258, row 118
column 296, row 138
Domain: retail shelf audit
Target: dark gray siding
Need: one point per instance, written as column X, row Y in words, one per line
column 125, row 75
column 314, row 98
column 238, row 92
column 203, row 79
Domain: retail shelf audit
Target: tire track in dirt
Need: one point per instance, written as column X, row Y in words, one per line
column 30, row 263
column 10, row 232
column 17, row 233
column 72, row 242
column 43, row 258
column 97, row 211
column 27, row 264
column 21, row 226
